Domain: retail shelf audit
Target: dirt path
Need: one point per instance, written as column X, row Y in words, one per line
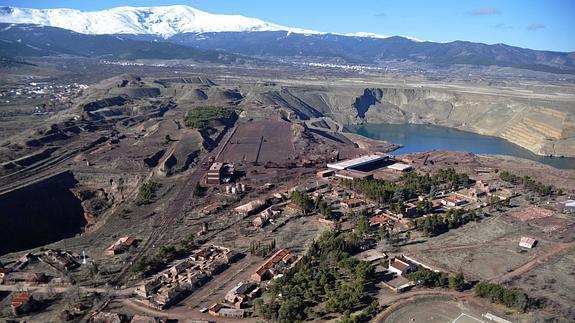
column 556, row 251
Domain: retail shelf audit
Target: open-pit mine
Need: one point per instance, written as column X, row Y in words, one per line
column 194, row 192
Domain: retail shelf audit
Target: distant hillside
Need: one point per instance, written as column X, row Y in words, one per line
column 370, row 50
column 24, row 40
column 191, row 27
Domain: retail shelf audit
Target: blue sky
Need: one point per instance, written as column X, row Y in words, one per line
column 537, row 24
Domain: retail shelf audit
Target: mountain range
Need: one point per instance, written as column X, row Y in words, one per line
column 178, row 31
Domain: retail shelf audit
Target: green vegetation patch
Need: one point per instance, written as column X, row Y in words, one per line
column 147, row 192
column 437, row 224
column 409, row 186
column 529, row 184
column 200, row 117
column 329, row 280
column 511, row 298
column 431, row 279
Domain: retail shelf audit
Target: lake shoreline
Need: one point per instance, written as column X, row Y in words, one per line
column 425, row 137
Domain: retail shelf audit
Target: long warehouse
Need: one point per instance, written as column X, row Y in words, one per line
column 357, row 162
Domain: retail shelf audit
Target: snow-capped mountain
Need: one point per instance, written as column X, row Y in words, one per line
column 162, row 21
column 191, row 33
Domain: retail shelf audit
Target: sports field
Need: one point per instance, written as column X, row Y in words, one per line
column 436, row 311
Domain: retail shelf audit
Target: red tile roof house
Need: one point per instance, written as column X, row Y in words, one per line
column 351, row 203
column 123, row 244
column 453, row 200
column 23, row 303
column 266, row 270
column 400, row 267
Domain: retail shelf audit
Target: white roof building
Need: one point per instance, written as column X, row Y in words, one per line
column 250, row 207
column 400, row 167
column 527, row 242
column 356, row 162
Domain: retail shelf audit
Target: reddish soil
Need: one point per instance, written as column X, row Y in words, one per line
column 259, row 141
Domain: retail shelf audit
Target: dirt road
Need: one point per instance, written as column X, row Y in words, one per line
column 558, row 250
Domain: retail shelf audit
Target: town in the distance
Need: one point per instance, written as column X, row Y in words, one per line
column 197, row 170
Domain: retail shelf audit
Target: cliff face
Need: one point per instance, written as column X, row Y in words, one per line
column 542, row 126
column 40, row 213
column 538, row 127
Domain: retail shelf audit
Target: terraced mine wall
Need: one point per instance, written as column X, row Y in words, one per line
column 40, row 213
column 542, row 125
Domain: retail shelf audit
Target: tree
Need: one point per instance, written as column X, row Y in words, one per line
column 363, row 225
column 302, row 200
column 457, row 282
column 496, row 293
column 424, row 207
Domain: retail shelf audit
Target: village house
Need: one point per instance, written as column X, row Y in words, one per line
column 108, row 317
column 22, row 303
column 504, row 193
column 240, row 293
column 264, row 217
column 409, row 211
column 484, row 187
column 121, row 245
column 352, row 203
column 453, row 200
column 380, row 221
column 475, row 192
column 250, row 208
column 212, row 208
column 400, row 267
column 221, row 311
column 338, row 193
column 181, row 279
column 567, row 206
column 278, row 263
column 61, row 259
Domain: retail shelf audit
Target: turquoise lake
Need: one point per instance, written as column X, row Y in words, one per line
column 418, row 138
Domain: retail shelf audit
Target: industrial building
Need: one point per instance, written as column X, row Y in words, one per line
column 353, row 174
column 325, row 173
column 362, row 161
column 214, row 175
column 400, row 167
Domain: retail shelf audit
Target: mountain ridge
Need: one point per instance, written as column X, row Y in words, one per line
column 190, row 27
column 23, row 40
column 162, row 21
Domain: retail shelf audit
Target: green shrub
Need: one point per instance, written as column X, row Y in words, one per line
column 199, row 117
column 147, row 192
